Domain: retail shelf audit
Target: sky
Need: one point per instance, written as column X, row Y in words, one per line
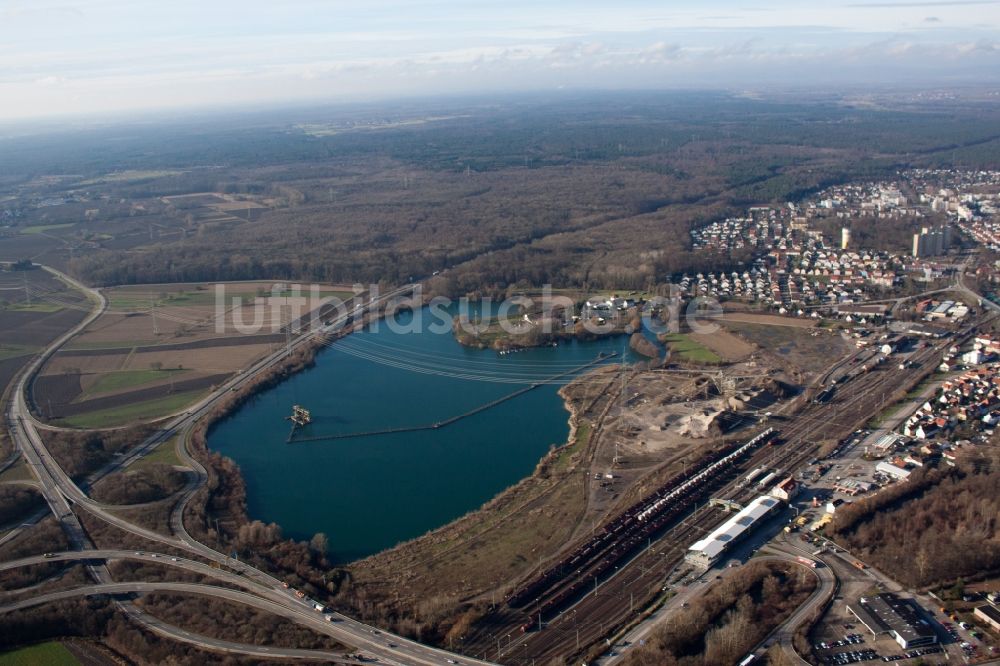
column 68, row 57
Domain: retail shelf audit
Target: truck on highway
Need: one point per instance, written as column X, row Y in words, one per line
column 318, row 606
column 806, row 561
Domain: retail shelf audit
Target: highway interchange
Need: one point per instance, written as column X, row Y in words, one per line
column 60, row 493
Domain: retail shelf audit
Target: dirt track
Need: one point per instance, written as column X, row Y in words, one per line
column 230, row 341
column 768, row 320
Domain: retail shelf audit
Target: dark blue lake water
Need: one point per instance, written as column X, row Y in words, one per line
column 369, row 493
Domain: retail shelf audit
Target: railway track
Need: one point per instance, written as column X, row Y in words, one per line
column 627, row 589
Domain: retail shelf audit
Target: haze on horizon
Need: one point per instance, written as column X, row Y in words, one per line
column 67, row 57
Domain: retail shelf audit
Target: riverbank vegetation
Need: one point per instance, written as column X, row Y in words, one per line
column 522, row 334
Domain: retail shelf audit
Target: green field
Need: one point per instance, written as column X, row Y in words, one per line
column 110, row 344
column 123, row 379
column 150, row 409
column 43, row 654
column 130, row 176
column 13, row 351
column 18, row 472
column 164, row 453
column 42, row 228
column 323, row 293
column 689, row 350
column 35, row 307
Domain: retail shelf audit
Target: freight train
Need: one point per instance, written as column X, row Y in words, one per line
column 623, row 535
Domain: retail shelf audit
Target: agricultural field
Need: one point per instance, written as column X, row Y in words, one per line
column 157, row 348
column 163, row 314
column 767, row 319
column 131, row 412
column 35, row 308
column 45, row 228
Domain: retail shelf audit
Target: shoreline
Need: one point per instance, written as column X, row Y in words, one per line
column 553, row 451
column 531, row 339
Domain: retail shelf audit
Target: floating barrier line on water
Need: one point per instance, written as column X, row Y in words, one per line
column 437, row 425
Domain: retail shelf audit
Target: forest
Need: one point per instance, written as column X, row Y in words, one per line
column 595, row 191
column 933, row 529
column 722, row 625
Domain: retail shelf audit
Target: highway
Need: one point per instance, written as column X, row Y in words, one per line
column 279, row 601
column 205, row 642
column 60, row 492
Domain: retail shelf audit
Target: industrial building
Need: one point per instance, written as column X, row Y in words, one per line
column 785, row 489
column 899, row 618
column 706, row 552
column 886, row 444
column 990, row 615
column 893, row 471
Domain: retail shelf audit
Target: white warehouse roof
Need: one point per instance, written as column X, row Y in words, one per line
column 719, row 540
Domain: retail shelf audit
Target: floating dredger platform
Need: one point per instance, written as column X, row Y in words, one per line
column 300, row 416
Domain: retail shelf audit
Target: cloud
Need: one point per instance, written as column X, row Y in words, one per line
column 126, row 51
column 978, row 47
column 49, row 81
column 928, row 3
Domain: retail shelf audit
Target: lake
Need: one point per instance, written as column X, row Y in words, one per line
column 369, row 493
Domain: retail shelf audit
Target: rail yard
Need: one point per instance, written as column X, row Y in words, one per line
column 605, row 581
